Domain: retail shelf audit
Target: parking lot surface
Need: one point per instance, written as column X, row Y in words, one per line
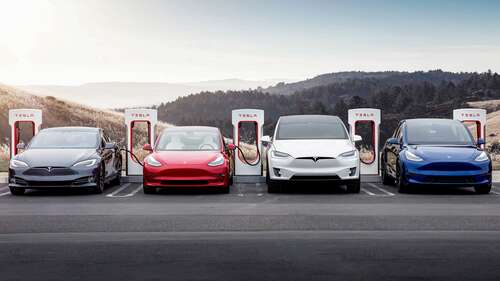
column 311, row 232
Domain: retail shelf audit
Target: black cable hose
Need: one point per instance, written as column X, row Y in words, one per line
column 245, row 159
column 133, row 156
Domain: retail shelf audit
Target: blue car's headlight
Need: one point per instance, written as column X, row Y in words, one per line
column 482, row 157
column 412, row 157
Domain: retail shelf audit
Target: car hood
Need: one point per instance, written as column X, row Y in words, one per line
column 186, row 157
column 55, row 157
column 313, row 148
column 445, row 153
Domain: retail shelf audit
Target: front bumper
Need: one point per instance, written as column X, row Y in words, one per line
column 28, row 178
column 292, row 169
column 458, row 174
column 181, row 176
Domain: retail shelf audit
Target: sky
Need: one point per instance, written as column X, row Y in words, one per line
column 69, row 42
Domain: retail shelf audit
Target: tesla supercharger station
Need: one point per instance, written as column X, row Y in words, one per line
column 476, row 116
column 134, row 117
column 372, row 117
column 253, row 118
column 22, row 116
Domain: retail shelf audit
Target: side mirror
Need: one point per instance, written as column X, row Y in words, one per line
column 110, row 145
column 231, row 146
column 481, row 142
column 20, row 146
column 357, row 138
column 393, row 141
column 147, row 147
column 266, row 140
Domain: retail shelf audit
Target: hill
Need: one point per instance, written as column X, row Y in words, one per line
column 382, row 77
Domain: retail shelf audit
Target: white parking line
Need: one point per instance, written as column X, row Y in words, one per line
column 381, row 189
column 494, row 192
column 368, row 192
column 4, row 191
column 128, row 194
column 118, row 190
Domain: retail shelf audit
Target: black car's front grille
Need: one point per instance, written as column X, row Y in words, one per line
column 49, row 171
column 315, row 178
column 49, row 183
column 315, row 159
column 450, row 179
column 184, row 182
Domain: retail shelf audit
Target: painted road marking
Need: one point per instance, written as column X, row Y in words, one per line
column 4, row 191
column 387, row 193
column 128, row 194
column 368, row 192
column 118, row 190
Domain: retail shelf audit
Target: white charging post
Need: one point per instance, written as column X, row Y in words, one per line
column 16, row 118
column 254, row 117
column 132, row 118
column 473, row 115
column 372, row 116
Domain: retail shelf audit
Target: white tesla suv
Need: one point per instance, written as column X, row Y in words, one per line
column 311, row 148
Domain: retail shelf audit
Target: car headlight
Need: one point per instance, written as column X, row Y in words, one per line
column 150, row 160
column 86, row 163
column 412, row 157
column 482, row 157
column 18, row 164
column 277, row 154
column 348, row 154
column 217, row 162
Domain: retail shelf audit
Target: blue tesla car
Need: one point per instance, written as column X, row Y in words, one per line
column 435, row 152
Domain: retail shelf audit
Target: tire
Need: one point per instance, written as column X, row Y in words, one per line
column 354, row 187
column 17, row 190
column 386, row 179
column 99, row 189
column 483, row 189
column 148, row 189
column 117, row 180
column 403, row 186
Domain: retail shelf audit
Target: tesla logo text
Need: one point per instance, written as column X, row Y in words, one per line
column 364, row 114
column 470, row 115
column 248, row 115
column 140, row 115
column 25, row 115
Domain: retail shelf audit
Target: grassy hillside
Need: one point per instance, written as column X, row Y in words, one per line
column 56, row 112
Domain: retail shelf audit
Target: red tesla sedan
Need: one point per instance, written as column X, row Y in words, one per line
column 190, row 156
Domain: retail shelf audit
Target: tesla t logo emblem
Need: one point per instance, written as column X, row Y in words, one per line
column 315, row 159
column 49, row 169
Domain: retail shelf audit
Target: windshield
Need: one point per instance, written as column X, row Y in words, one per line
column 311, row 130
column 189, row 140
column 440, row 132
column 65, row 139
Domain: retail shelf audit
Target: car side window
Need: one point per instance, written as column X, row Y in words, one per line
column 399, row 134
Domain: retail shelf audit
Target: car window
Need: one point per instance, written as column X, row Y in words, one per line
column 65, row 139
column 189, row 140
column 437, row 131
column 311, row 130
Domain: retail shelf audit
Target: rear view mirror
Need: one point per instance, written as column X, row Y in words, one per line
column 393, row 141
column 357, row 138
column 266, row 140
column 20, row 146
column 480, row 142
column 110, row 145
column 147, row 147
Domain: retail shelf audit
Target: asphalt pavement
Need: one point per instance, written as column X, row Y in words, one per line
column 311, row 232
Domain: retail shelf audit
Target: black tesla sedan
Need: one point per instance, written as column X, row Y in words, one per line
column 66, row 157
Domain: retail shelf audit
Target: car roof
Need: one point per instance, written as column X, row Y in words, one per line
column 309, row 118
column 422, row 120
column 73, row 128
